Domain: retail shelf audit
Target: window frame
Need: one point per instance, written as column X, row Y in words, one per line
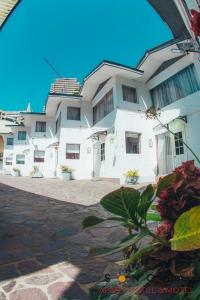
column 73, row 155
column 22, row 160
column 135, row 98
column 178, row 143
column 58, row 123
column 43, row 123
column 8, row 161
column 68, row 113
column 39, row 159
column 102, row 152
column 169, row 95
column 99, row 110
column 138, row 144
column 20, row 132
column 10, row 138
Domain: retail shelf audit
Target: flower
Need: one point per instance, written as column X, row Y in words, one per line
column 152, row 113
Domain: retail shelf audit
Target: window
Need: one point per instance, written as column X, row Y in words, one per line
column 20, row 159
column 129, row 94
column 10, row 141
column 102, row 151
column 103, row 107
column 39, row 156
column 40, row 126
column 73, row 113
column 21, row 135
column 58, row 122
column 178, row 86
column 72, row 151
column 179, row 147
column 8, row 160
column 133, row 142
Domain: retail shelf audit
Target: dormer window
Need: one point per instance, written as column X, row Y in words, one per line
column 40, row 126
column 129, row 94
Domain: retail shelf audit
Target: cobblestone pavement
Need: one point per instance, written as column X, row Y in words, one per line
column 43, row 252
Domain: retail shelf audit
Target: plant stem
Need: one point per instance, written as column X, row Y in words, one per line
column 155, row 236
column 166, row 127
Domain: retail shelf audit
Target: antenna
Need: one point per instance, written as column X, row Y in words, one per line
column 51, row 66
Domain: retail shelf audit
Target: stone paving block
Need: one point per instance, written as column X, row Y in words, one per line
column 43, row 279
column 28, row 294
column 2, row 296
column 9, row 286
column 29, row 266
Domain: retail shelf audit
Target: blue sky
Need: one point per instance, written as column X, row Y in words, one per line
column 74, row 35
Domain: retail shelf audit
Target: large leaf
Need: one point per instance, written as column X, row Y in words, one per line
column 93, row 220
column 145, row 201
column 165, row 182
column 123, row 202
column 187, row 231
column 120, row 246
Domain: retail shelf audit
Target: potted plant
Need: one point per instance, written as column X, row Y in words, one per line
column 66, row 172
column 35, row 173
column 16, row 172
column 132, row 176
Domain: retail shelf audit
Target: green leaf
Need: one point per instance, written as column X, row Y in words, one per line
column 145, row 202
column 153, row 217
column 91, row 221
column 153, row 207
column 148, row 192
column 165, row 182
column 187, row 231
column 195, row 294
column 123, row 202
column 120, row 246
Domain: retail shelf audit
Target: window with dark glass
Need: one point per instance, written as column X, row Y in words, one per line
column 129, row 94
column 176, row 87
column 21, row 135
column 40, row 126
column 8, row 160
column 10, row 141
column 20, row 159
column 58, row 122
column 39, row 156
column 179, row 147
column 102, row 151
column 103, row 107
column 73, row 113
column 72, row 151
column 132, row 142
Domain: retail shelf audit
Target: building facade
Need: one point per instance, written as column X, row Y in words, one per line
column 100, row 129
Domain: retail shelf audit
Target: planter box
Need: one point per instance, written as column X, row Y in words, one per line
column 132, row 180
column 66, row 176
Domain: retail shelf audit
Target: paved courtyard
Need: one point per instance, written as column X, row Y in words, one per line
column 43, row 252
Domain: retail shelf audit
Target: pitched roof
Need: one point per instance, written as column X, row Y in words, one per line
column 6, row 8
column 168, row 11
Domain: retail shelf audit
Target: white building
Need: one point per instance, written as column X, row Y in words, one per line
column 100, row 129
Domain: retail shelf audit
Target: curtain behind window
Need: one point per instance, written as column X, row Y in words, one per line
column 178, row 86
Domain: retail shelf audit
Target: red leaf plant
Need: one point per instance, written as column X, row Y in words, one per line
column 181, row 195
